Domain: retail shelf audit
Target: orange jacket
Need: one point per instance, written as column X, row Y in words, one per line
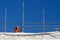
column 17, row 29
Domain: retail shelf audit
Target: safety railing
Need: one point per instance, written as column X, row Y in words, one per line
column 36, row 26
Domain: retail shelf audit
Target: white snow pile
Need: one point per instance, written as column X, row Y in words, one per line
column 52, row 36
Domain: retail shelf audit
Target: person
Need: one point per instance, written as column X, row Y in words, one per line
column 17, row 29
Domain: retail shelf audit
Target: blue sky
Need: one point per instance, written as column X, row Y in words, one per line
column 33, row 10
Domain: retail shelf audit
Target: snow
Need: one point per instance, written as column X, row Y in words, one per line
column 55, row 36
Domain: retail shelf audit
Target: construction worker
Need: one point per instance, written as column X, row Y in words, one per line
column 17, row 29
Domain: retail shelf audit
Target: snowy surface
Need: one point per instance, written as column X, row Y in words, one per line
column 55, row 36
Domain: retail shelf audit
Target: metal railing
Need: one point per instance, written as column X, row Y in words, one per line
column 32, row 27
column 30, row 22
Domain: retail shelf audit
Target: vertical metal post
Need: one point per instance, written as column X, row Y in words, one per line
column 5, row 18
column 43, row 20
column 22, row 15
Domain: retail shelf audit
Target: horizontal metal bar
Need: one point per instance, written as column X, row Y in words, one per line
column 30, row 22
column 38, row 28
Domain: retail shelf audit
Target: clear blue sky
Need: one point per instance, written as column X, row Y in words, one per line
column 33, row 10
